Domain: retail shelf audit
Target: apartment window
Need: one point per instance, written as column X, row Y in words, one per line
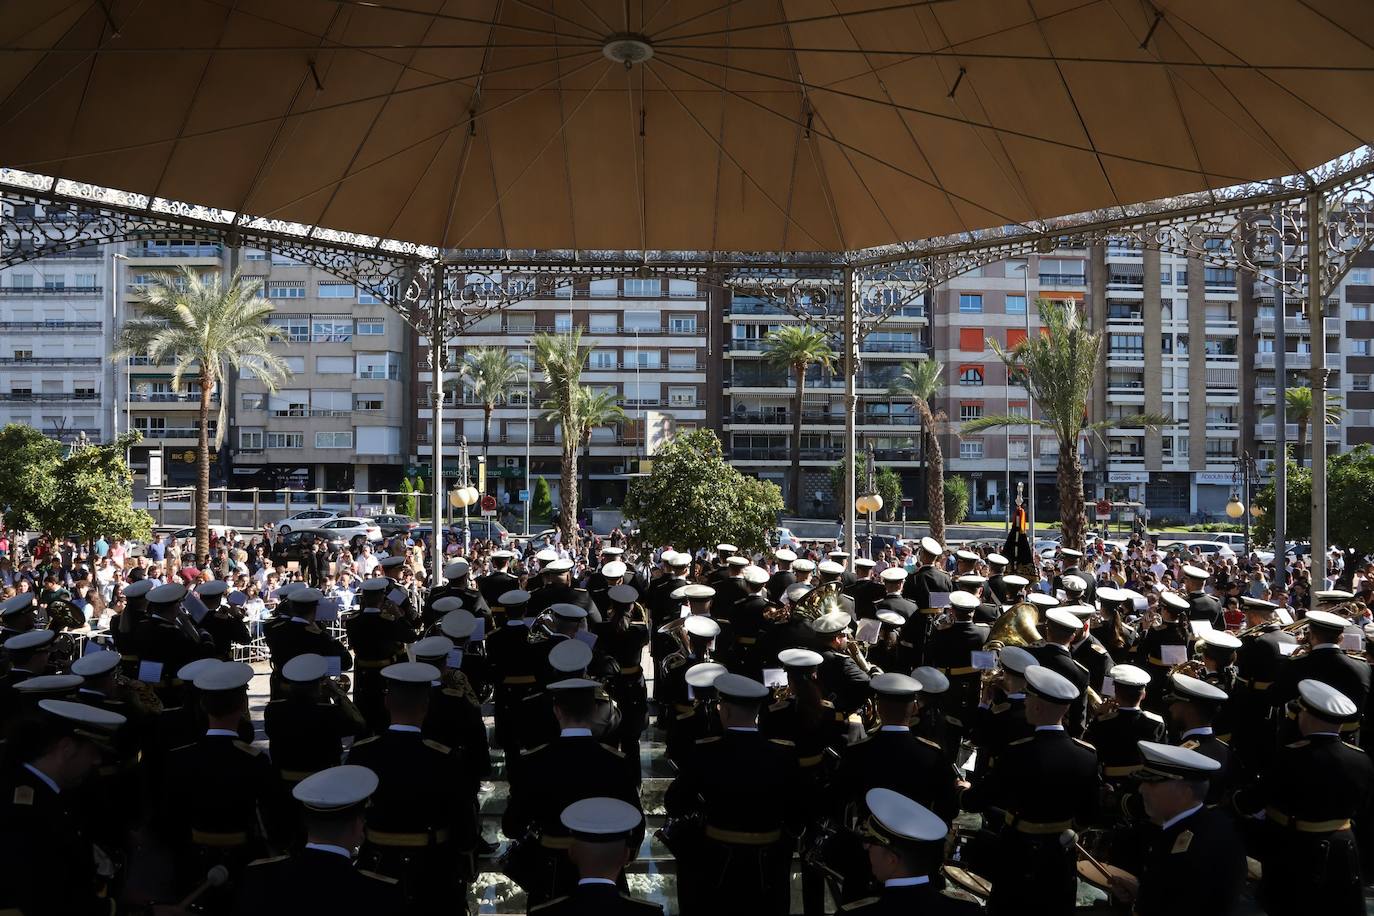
column 252, row 254
column 643, row 322
column 601, row 359
column 1218, row 312
column 54, row 283
column 294, row 364
column 253, row 401
column 282, row 289
column 682, row 359
column 1128, row 344
column 385, row 366
column 83, row 392
column 563, row 323
column 1359, row 312
column 289, row 403
column 520, row 322
column 337, row 439
column 337, row 291
column 1359, row 383
column 682, row 397
column 1016, row 305
column 295, row 327
column 603, row 289
column 643, row 288
column 971, row 450
column 971, row 375
column 1360, row 276
column 286, row 440
column 367, row 402
column 1221, row 448
column 334, row 365
column 250, row 440
column 331, row 329
column 1015, row 336
column 682, row 324
column 1018, row 409
column 970, row 302
column 85, row 281
column 281, row 260
column 22, row 281
column 970, row 410
column 682, row 289
column 644, row 359
column 1222, row 277
column 23, row 354
column 971, row 340
column 370, row 327
column 602, row 322
column 1055, row 272
column 1359, row 348
column 365, row 297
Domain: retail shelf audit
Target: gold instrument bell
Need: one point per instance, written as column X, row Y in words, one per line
column 1018, row 626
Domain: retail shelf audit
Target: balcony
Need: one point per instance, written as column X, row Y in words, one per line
column 1298, row 325
column 1296, row 360
column 169, row 397
column 67, row 435
column 818, row 418
column 172, row 432
column 51, row 292
column 1269, row 432
column 42, row 326
column 51, row 361
column 1057, row 280
column 176, row 251
column 36, row 396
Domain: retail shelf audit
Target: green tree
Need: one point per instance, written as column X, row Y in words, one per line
column 28, row 475
column 541, row 507
column 204, row 326
column 490, row 374
column 405, row 503
column 420, row 503
column 1349, row 485
column 920, row 382
column 1059, row 368
column 96, row 496
column 1298, row 409
column 889, row 485
column 956, row 500
column 693, row 498
column 796, row 348
column 561, row 357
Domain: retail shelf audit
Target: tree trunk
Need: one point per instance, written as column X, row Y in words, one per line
column 567, row 510
column 203, row 474
column 935, row 479
column 586, row 497
column 1302, row 439
column 486, row 435
column 796, row 441
column 1072, row 519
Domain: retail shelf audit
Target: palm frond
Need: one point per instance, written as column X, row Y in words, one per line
column 999, row 421
column 798, row 346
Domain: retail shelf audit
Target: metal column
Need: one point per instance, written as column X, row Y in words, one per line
column 851, row 368
column 1317, row 423
column 1280, row 404
column 437, row 344
column 1031, row 430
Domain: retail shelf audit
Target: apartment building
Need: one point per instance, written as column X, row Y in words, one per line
column 760, row 399
column 339, row 421
column 655, row 343
column 55, row 314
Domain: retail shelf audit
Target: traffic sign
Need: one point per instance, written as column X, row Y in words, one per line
column 1104, row 510
column 488, row 504
column 524, row 496
column 488, row 513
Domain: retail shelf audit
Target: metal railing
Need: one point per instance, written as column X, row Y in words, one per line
column 50, row 361
column 57, row 291
column 50, row 325
column 1063, row 279
column 166, row 397
column 176, row 251
column 172, row 432
column 25, row 396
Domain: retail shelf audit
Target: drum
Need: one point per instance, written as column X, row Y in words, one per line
column 976, row 886
column 1100, row 877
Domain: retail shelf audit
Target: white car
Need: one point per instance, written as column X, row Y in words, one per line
column 357, row 531
column 308, row 518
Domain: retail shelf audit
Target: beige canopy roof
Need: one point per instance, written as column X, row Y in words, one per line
column 778, row 125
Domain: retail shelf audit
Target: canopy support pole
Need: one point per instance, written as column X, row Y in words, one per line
column 851, row 369
column 1316, row 232
column 437, row 354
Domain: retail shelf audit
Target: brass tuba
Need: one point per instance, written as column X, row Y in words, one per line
column 1016, row 627
column 821, row 600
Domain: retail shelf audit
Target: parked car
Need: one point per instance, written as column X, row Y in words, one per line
column 223, row 532
column 393, row 525
column 784, row 538
column 295, row 545
column 481, row 529
column 307, row 518
column 1184, row 549
column 356, row 531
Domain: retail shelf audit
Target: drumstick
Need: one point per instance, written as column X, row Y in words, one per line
column 1069, row 836
column 213, row 878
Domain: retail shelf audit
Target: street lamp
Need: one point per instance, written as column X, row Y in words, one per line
column 1241, row 476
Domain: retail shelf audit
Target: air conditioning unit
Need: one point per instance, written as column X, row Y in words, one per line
column 619, row 469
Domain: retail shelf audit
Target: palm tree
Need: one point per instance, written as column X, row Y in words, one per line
column 561, row 357
column 1298, row 409
column 1059, row 368
column 797, row 347
column 920, row 381
column 203, row 325
column 594, row 410
column 490, row 373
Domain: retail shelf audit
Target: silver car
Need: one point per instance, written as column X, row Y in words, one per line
column 356, row 531
column 307, row 518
